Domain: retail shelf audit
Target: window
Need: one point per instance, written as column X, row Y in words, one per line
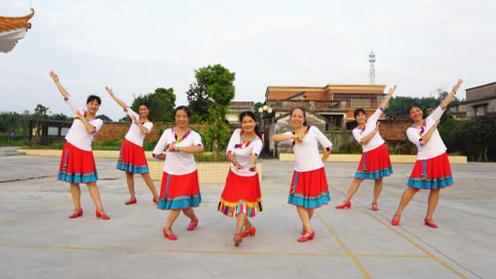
column 480, row 110
column 53, row 131
column 360, row 103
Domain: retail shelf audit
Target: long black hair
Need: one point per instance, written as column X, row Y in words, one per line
column 252, row 116
column 304, row 114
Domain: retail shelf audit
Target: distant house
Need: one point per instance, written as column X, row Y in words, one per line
column 235, row 108
column 481, row 100
column 327, row 107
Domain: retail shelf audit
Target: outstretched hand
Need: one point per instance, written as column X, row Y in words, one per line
column 109, row 91
column 392, row 90
column 456, row 86
column 54, row 76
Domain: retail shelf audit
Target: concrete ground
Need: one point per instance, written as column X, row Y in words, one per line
column 37, row 240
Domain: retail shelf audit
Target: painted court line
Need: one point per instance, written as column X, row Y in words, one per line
column 416, row 245
column 345, row 248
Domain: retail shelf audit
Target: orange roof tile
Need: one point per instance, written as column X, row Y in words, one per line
column 12, row 23
column 277, row 93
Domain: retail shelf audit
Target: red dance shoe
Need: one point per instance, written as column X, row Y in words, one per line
column 343, row 205
column 102, row 215
column 76, row 213
column 307, row 236
column 169, row 234
column 374, row 207
column 396, row 220
column 131, row 201
column 251, row 231
column 430, row 223
column 192, row 225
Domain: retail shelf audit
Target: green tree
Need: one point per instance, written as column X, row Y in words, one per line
column 398, row 106
column 162, row 103
column 199, row 101
column 213, row 91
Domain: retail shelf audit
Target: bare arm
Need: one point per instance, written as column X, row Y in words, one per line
column 451, row 95
column 369, row 136
column 90, row 129
column 326, row 154
column 388, row 97
column 61, row 88
column 283, row 137
column 427, row 136
column 189, row 149
column 117, row 100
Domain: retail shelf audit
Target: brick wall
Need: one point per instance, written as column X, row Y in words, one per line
column 117, row 130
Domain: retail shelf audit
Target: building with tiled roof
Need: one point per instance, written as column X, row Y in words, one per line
column 235, row 108
column 12, row 29
column 333, row 104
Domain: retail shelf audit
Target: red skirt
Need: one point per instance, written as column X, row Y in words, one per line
column 374, row 164
column 132, row 158
column 241, row 195
column 309, row 189
column 433, row 173
column 179, row 191
column 77, row 165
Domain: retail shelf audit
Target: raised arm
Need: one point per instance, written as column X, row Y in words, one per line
column 451, row 95
column 388, row 97
column 117, row 100
column 64, row 92
column 61, row 89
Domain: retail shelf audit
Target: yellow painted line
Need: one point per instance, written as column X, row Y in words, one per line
column 392, row 256
column 162, row 251
column 345, row 248
column 418, row 246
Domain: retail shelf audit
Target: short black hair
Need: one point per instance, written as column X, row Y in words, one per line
column 358, row 111
column 414, row 105
column 185, row 108
column 144, row 104
column 304, row 114
column 92, row 98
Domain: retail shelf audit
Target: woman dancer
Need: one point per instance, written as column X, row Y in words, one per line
column 309, row 188
column 375, row 162
column 241, row 197
column 179, row 190
column 432, row 170
column 77, row 164
column 132, row 155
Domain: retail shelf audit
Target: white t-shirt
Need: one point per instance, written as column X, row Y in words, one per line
column 134, row 133
column 178, row 163
column 435, row 146
column 242, row 152
column 370, row 126
column 307, row 153
column 77, row 134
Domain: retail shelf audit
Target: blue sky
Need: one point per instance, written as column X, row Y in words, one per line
column 137, row 46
